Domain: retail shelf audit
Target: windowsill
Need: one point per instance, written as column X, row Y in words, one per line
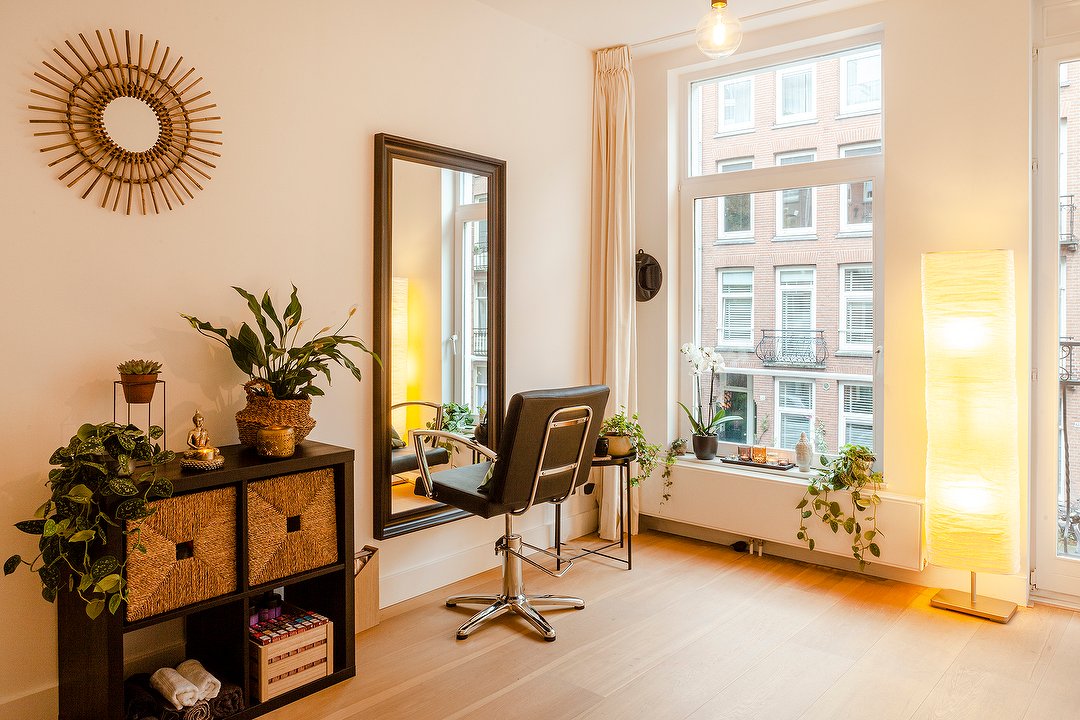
column 780, row 124
column 747, row 240
column 737, row 131
column 855, row 234
column 791, row 238
column 858, row 113
column 735, row 348
column 854, row 353
column 792, row 476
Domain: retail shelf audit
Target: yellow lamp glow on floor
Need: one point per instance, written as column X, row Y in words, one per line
column 972, row 462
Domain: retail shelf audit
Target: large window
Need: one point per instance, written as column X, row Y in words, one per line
column 860, row 82
column 736, row 105
column 736, row 308
column 797, row 322
column 857, row 308
column 795, row 94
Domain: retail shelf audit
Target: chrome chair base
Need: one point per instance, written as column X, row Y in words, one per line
column 513, row 597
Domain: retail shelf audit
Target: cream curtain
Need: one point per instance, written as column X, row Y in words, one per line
column 613, row 344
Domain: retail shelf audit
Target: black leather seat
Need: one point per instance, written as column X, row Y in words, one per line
column 545, row 451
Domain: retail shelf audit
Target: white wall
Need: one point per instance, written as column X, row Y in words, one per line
column 956, row 110
column 302, row 88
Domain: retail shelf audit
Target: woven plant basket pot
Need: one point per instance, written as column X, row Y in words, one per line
column 264, row 410
column 292, row 525
column 190, row 554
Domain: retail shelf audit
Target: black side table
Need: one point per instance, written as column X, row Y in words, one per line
column 625, row 538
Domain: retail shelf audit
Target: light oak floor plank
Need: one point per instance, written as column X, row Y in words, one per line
column 698, row 631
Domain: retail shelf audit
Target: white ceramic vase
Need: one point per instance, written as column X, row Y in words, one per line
column 804, row 453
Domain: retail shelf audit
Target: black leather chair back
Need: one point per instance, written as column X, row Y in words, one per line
column 522, row 439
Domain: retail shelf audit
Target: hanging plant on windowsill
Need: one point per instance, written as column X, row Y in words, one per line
column 852, row 471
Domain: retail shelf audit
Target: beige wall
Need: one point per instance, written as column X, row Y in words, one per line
column 302, row 88
column 956, row 82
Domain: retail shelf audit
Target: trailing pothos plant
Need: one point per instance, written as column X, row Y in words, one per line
column 456, row 418
column 675, row 449
column 851, row 472
column 647, row 453
column 94, row 489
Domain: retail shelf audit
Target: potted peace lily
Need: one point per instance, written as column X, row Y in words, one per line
column 705, row 423
column 282, row 369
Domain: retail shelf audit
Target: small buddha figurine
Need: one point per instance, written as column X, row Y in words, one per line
column 199, row 441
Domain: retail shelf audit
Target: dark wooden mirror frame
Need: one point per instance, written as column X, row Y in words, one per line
column 387, row 149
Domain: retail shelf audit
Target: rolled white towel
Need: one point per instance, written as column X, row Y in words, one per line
column 207, row 685
column 175, row 688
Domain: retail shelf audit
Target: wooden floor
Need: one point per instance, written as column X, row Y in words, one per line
column 698, row 631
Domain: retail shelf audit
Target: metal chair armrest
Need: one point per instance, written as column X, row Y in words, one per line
column 418, row 438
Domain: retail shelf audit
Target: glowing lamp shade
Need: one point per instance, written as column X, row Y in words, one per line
column 719, row 32
column 972, row 462
column 399, row 344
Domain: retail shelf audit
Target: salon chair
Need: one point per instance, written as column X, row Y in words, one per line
column 545, row 451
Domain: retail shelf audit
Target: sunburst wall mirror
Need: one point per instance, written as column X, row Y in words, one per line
column 138, row 131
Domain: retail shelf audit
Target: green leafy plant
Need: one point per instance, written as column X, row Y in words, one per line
column 139, row 367
column 647, row 453
column 273, row 354
column 675, row 449
column 456, row 418
column 92, row 490
column 851, row 472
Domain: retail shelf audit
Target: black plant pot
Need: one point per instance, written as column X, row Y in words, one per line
column 704, row 446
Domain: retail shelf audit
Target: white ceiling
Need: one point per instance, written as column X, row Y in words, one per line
column 602, row 23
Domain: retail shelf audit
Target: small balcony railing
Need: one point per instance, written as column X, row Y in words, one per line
column 480, row 257
column 792, row 348
column 480, row 342
column 1067, row 222
column 1068, row 372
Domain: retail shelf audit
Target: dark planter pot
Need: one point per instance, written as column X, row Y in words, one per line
column 138, row 389
column 704, row 446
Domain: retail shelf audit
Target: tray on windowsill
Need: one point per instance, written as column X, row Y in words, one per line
column 750, row 463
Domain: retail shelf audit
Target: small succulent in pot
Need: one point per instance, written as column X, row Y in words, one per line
column 139, row 379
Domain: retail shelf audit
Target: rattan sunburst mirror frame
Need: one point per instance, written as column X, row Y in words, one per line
column 167, row 171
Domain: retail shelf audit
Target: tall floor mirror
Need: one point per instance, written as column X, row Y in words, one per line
column 439, row 298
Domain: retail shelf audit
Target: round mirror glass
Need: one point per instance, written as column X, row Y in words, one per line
column 131, row 124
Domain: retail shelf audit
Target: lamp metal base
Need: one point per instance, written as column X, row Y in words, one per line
column 985, row 607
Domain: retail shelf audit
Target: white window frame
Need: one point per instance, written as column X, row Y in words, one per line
column 738, row 235
column 780, row 295
column 799, row 233
column 849, row 108
column 696, row 187
column 722, row 127
column 863, row 228
column 846, row 296
column 721, row 341
column 845, row 416
column 799, row 412
column 796, row 118
column 750, row 420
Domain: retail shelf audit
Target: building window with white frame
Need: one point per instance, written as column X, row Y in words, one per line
column 736, row 100
column 860, row 82
column 736, row 308
column 796, row 207
column 795, row 312
column 736, row 211
column 856, row 414
column 795, row 94
column 857, row 308
column 857, row 198
column 794, row 412
column 738, row 401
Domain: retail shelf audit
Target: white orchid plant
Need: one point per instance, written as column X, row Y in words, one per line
column 705, row 360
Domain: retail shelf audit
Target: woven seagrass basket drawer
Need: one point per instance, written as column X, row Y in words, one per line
column 292, row 525
column 190, row 543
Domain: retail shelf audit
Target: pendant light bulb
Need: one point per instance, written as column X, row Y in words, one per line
column 719, row 32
